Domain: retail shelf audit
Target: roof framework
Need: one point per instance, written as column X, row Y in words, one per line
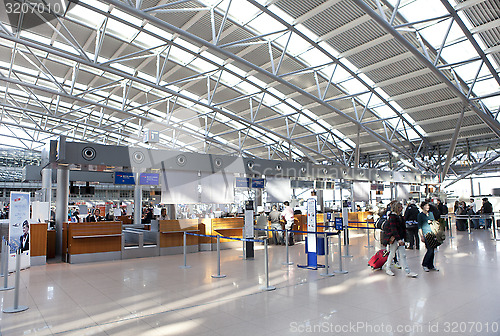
column 381, row 84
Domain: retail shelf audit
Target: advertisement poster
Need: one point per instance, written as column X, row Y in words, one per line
column 19, row 228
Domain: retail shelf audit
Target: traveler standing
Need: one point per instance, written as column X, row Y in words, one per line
column 424, row 219
column 287, row 215
column 411, row 222
column 396, row 232
column 274, row 218
column 487, row 209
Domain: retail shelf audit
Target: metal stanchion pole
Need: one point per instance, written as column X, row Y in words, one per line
column 218, row 261
column 287, row 262
column 2, row 259
column 185, row 252
column 368, row 236
column 340, row 271
column 327, row 271
column 17, row 308
column 450, row 226
column 493, row 226
column 346, row 243
column 469, row 222
column 5, row 265
column 266, row 268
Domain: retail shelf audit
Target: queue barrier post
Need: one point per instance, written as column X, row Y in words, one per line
column 3, row 257
column 185, row 252
column 494, row 226
column 17, row 308
column 469, row 224
column 450, row 226
column 340, row 270
column 218, row 275
column 346, row 242
column 327, row 271
column 5, row 266
column 287, row 262
column 266, row 267
column 368, row 245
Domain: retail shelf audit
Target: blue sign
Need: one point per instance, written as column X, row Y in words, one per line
column 338, row 223
column 149, row 179
column 242, row 182
column 124, row 178
column 258, row 183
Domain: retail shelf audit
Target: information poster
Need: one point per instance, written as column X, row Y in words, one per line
column 19, row 228
column 311, row 224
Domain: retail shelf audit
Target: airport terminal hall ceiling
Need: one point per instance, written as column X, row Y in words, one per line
column 388, row 84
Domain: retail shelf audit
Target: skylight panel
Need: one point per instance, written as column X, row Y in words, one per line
column 265, row 24
column 87, row 16
column 65, row 47
column 158, row 31
column 422, row 9
column 202, row 65
column 257, row 81
column 235, row 69
column 27, row 35
column 120, row 30
column 468, row 71
column 384, row 112
column 247, row 88
column 126, row 17
column 180, row 56
column 486, row 86
column 187, row 45
column 314, row 57
column 212, row 57
column 459, row 52
column 147, row 41
column 354, row 86
column 123, row 68
column 435, row 34
column 284, row 16
column 229, row 79
column 240, row 10
column 296, row 45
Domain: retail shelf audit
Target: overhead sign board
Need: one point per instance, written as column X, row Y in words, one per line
column 124, row 178
column 149, row 179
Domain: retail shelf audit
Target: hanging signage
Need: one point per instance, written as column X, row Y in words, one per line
column 124, row 178
column 258, row 183
column 149, row 179
column 19, row 228
column 242, row 182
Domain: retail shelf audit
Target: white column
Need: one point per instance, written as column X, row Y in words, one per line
column 61, row 204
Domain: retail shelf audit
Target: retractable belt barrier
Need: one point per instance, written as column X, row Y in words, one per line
column 267, row 287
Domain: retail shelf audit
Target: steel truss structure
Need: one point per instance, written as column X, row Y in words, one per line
column 354, row 83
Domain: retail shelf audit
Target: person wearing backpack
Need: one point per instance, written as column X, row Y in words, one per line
column 396, row 231
column 411, row 222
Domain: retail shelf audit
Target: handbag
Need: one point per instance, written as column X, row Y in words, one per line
column 411, row 224
column 431, row 240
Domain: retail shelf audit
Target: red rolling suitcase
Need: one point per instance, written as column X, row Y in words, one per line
column 378, row 260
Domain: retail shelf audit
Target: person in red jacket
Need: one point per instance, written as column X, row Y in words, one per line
column 395, row 231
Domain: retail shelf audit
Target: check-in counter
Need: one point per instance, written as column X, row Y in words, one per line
column 38, row 244
column 95, row 241
column 361, row 219
column 172, row 235
column 228, row 227
column 140, row 243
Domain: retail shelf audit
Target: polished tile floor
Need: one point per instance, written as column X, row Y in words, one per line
column 153, row 296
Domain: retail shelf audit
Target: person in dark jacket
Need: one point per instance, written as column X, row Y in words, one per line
column 396, row 232
column 486, row 209
column 410, row 217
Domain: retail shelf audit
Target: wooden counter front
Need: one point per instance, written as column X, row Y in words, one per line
column 38, row 243
column 229, row 227
column 93, row 237
column 171, row 232
column 360, row 217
